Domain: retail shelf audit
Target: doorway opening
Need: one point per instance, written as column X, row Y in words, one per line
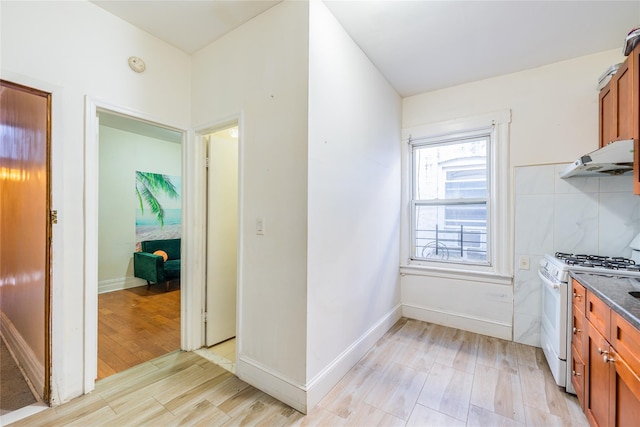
column 139, row 204
column 222, row 151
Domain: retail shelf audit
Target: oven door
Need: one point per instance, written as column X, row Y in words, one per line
column 553, row 334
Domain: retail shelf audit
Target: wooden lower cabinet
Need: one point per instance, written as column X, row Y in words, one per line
column 606, row 380
column 577, row 374
column 598, row 379
column 624, row 394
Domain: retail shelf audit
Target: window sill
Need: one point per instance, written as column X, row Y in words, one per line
column 450, row 273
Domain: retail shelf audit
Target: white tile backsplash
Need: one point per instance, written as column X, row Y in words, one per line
column 535, row 179
column 598, row 215
column 534, row 224
column 576, row 223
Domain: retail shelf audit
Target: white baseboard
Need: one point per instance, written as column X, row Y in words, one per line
column 324, row 381
column 272, row 383
column 27, row 360
column 120, row 283
column 305, row 397
column 478, row 325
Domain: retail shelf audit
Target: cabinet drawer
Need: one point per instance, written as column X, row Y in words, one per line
column 626, row 340
column 578, row 296
column 577, row 374
column 577, row 328
column 599, row 314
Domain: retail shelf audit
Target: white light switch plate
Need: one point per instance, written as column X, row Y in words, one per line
column 523, row 263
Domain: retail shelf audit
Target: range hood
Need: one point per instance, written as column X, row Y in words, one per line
column 612, row 159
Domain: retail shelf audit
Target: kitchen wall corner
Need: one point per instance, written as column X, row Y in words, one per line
column 576, row 215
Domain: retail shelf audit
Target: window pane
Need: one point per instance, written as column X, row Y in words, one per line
column 451, row 232
column 451, row 171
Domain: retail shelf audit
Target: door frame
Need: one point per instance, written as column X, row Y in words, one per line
column 91, row 181
column 201, row 134
column 56, row 253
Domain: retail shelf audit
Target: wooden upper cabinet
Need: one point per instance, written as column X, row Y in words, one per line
column 607, row 115
column 634, row 69
column 618, row 110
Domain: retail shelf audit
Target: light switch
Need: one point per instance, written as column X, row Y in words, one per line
column 260, row 226
column 524, row 263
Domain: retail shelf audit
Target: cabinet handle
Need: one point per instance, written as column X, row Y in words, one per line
column 576, row 330
column 608, row 359
column 576, row 295
column 601, row 351
column 576, row 374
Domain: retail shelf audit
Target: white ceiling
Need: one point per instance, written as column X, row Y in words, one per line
column 419, row 45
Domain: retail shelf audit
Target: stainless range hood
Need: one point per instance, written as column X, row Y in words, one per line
column 612, row 159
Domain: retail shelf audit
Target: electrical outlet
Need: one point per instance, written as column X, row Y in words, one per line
column 523, row 263
column 260, row 226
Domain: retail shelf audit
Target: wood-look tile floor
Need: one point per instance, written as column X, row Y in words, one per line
column 418, row 374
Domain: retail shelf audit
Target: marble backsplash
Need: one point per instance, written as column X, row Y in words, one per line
column 577, row 215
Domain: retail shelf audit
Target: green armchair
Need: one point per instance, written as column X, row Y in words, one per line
column 153, row 268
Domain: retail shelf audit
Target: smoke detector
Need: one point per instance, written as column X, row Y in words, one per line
column 136, row 64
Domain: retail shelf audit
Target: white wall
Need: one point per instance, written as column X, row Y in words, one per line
column 76, row 49
column 554, row 119
column 354, row 203
column 260, row 72
column 554, row 108
column 123, row 153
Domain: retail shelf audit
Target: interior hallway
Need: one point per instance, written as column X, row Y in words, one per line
column 418, row 374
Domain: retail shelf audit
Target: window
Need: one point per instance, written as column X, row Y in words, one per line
column 457, row 195
column 450, row 197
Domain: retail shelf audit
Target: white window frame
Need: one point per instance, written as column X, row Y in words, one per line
column 499, row 227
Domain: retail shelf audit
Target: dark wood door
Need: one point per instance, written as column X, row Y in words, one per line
column 25, row 229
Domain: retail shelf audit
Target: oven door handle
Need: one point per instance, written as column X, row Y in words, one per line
column 548, row 282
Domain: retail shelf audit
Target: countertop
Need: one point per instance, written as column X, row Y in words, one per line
column 614, row 291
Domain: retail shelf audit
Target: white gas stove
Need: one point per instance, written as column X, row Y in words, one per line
column 556, row 313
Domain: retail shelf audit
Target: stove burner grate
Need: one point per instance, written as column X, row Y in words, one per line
column 598, row 261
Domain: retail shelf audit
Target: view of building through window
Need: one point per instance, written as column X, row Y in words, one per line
column 450, row 194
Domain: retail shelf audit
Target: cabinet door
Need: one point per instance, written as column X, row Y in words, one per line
column 577, row 374
column 634, row 65
column 624, row 393
column 607, row 115
column 623, row 82
column 577, row 329
column 598, row 379
column 599, row 314
column 578, row 295
column 625, row 338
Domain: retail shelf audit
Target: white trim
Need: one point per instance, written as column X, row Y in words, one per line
column 501, row 206
column 119, row 284
column 196, row 235
column 468, row 276
column 57, row 320
column 326, row 379
column 459, row 321
column 273, row 383
column 25, row 357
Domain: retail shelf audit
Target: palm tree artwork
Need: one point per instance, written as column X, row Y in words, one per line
column 148, row 186
column 158, row 215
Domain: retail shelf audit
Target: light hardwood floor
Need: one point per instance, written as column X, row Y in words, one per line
column 136, row 325
column 418, row 374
